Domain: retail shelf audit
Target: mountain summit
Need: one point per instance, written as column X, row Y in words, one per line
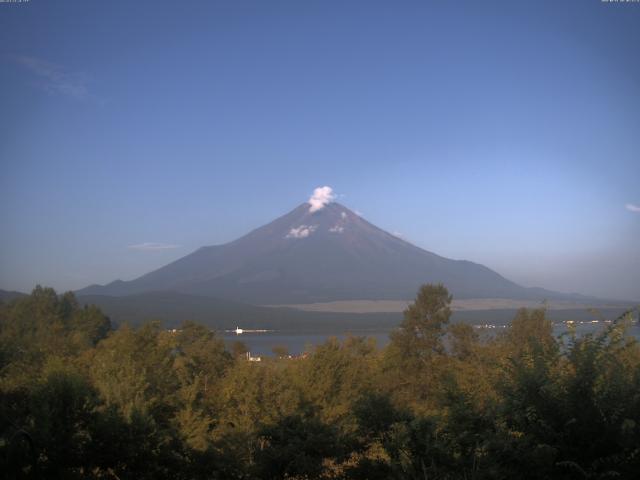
column 318, row 253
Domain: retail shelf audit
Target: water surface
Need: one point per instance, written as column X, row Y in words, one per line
column 260, row 344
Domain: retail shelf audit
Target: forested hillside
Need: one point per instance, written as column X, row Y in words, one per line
column 79, row 399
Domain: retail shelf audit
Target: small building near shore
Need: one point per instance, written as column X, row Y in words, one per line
column 253, row 359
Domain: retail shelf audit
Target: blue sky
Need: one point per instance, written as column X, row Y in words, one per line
column 507, row 133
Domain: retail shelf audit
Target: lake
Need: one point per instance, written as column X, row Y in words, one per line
column 261, row 344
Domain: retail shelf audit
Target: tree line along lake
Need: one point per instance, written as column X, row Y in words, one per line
column 298, row 341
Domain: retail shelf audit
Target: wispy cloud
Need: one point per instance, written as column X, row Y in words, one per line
column 303, row 231
column 152, row 246
column 56, row 79
column 632, row 207
column 321, row 197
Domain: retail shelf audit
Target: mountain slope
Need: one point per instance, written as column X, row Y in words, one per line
column 325, row 255
column 7, row 296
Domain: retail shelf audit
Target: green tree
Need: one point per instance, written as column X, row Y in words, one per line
column 41, row 326
column 239, row 349
column 420, row 334
column 296, row 447
column 200, row 361
column 48, row 434
column 132, row 369
column 415, row 355
column 335, row 375
column 280, row 351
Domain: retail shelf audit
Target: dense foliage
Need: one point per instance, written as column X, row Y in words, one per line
column 81, row 400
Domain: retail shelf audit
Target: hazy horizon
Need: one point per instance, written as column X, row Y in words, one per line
column 134, row 133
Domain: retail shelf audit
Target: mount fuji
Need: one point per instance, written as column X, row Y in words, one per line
column 320, row 254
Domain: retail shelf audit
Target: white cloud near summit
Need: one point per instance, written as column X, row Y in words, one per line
column 322, row 196
column 303, row 231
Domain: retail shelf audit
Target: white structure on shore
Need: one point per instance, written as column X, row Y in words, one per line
column 253, row 359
